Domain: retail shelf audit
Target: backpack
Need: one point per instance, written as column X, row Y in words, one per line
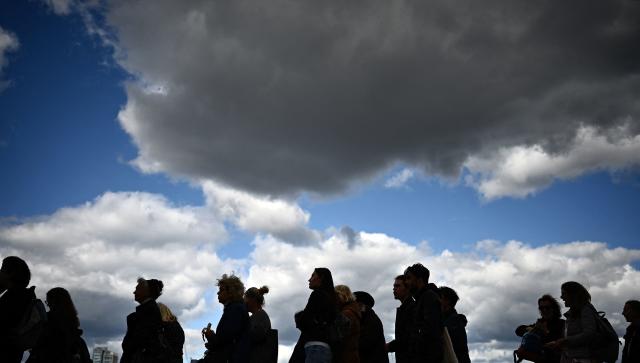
column 31, row 325
column 607, row 346
column 339, row 329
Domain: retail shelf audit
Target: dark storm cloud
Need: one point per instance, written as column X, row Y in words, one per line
column 285, row 96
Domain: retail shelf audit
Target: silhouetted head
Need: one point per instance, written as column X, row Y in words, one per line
column 574, row 295
column 321, row 279
column 14, row 273
column 230, row 289
column 254, row 298
column 417, row 277
column 631, row 311
column 400, row 289
column 448, row 298
column 549, row 307
column 166, row 313
column 147, row 289
column 344, row 294
column 365, row 299
column 60, row 303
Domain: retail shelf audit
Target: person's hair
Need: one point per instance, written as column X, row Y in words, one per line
column 166, row 313
column 344, row 294
column 17, row 269
column 155, row 287
column 634, row 305
column 419, row 271
column 326, row 280
column 579, row 296
column 60, row 303
column 326, row 285
column 449, row 294
column 234, row 286
column 257, row 294
column 555, row 306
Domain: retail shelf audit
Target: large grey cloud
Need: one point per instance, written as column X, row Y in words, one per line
column 282, row 96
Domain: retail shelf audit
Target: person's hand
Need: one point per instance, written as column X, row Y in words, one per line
column 556, row 345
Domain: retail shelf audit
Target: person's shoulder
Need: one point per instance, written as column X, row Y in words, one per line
column 460, row 319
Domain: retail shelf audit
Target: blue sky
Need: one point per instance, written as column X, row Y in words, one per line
column 89, row 113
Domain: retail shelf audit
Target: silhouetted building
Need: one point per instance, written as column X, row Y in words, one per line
column 104, row 355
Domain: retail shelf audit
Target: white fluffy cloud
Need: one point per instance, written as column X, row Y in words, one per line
column 522, row 170
column 498, row 283
column 98, row 249
column 400, row 179
column 254, row 213
column 8, row 43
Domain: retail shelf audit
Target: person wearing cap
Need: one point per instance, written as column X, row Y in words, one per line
column 426, row 342
column 372, row 343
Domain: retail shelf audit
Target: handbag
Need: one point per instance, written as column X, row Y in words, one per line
column 449, row 355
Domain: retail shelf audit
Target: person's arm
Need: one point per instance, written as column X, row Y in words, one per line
column 313, row 309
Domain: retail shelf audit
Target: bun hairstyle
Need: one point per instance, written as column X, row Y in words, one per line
column 257, row 294
column 155, row 287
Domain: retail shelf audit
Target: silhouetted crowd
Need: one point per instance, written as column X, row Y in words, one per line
column 336, row 325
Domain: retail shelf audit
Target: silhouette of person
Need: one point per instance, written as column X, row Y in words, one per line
column 173, row 333
column 14, row 279
column 550, row 327
column 426, row 331
column 141, row 343
column 320, row 311
column 631, row 351
column 404, row 316
column 259, row 326
column 372, row 342
column 455, row 323
column 229, row 343
column 348, row 351
column 61, row 341
column 581, row 324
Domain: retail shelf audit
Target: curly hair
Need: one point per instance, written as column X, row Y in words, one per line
column 233, row 285
column 555, row 306
column 344, row 294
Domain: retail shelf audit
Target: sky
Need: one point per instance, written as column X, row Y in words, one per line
column 496, row 142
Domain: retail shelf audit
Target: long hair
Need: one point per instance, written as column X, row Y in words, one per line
column 326, row 280
column 326, row 285
column 579, row 296
column 60, row 303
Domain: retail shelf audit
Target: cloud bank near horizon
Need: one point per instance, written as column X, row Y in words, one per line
column 282, row 97
column 98, row 249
